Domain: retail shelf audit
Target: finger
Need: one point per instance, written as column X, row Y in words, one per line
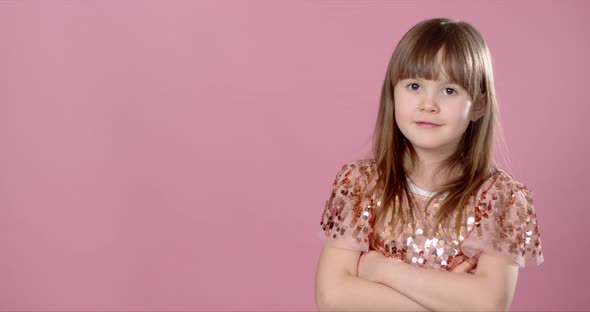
column 465, row 265
column 462, row 268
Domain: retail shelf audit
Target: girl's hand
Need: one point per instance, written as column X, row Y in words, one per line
column 466, row 265
column 370, row 264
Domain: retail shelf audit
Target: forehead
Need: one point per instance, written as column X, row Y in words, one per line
column 431, row 66
column 441, row 76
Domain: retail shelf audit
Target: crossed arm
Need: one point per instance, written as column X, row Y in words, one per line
column 490, row 288
column 395, row 285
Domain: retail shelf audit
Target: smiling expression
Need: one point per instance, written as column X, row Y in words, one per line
column 432, row 114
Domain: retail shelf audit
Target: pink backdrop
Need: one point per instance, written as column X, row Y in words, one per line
column 176, row 155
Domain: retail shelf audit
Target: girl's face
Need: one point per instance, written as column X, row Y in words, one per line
column 446, row 106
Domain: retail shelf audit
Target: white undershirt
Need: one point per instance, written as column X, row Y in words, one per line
column 418, row 191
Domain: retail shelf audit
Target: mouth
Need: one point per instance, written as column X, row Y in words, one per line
column 427, row 124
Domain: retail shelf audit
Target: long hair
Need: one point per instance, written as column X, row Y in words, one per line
column 466, row 61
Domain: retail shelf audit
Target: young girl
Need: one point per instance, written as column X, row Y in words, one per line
column 429, row 222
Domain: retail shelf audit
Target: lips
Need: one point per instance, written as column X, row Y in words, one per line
column 426, row 123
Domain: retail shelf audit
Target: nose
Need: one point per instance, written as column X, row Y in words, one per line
column 428, row 104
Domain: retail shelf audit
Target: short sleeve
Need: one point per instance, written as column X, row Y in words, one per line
column 506, row 224
column 345, row 221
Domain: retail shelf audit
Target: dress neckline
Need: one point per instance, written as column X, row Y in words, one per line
column 421, row 192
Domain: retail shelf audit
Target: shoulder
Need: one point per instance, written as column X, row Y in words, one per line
column 355, row 180
column 506, row 181
column 503, row 184
column 348, row 214
column 507, row 201
column 505, row 220
column 359, row 171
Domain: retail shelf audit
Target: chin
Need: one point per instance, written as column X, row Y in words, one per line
column 425, row 143
column 428, row 145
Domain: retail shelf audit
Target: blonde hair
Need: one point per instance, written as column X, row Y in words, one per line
column 466, row 61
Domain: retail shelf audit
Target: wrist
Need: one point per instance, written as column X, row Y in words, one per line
column 389, row 268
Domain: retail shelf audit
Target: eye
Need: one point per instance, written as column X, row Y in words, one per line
column 413, row 86
column 450, row 91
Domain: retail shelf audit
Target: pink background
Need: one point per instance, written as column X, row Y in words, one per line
column 177, row 155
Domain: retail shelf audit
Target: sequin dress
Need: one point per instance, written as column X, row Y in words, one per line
column 500, row 219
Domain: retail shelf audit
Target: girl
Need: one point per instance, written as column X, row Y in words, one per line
column 429, row 222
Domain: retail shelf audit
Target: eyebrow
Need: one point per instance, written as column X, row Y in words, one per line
column 444, row 81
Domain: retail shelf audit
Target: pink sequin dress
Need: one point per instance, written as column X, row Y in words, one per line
column 500, row 220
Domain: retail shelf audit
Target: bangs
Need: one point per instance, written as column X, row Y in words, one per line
column 419, row 58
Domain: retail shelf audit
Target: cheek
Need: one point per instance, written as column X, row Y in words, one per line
column 401, row 114
column 461, row 112
column 402, row 107
column 466, row 110
column 460, row 117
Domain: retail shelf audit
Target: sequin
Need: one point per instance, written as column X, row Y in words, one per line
column 500, row 218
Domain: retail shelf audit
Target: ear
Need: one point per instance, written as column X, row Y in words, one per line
column 479, row 108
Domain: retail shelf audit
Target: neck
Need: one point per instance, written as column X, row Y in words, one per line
column 422, row 173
